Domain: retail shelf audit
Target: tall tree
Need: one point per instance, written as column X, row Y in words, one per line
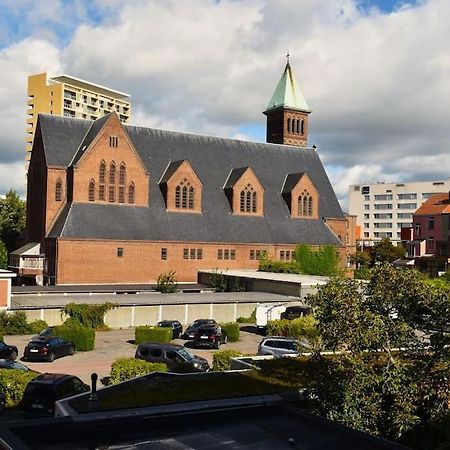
column 12, row 219
column 385, row 251
column 3, row 256
column 372, row 385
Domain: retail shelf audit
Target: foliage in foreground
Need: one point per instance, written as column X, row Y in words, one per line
column 13, row 383
column 17, row 323
column 152, row 334
column 87, row 315
column 309, row 261
column 373, row 387
column 231, row 331
column 250, row 319
column 82, row 337
column 222, row 359
column 123, row 369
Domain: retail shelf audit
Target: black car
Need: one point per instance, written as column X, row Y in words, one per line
column 210, row 336
column 48, row 349
column 177, row 328
column 176, row 357
column 10, row 364
column 8, row 351
column 42, row 393
column 192, row 329
column 294, row 312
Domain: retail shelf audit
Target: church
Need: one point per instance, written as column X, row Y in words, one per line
column 110, row 203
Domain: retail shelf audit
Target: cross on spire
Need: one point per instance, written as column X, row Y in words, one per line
column 287, row 57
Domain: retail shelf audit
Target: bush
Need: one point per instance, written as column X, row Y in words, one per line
column 303, row 327
column 37, row 326
column 13, row 383
column 82, row 337
column 15, row 323
column 123, row 369
column 87, row 315
column 222, row 359
column 152, row 334
column 250, row 319
column 167, row 283
column 231, row 331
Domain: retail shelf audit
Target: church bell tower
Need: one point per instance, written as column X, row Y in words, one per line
column 287, row 112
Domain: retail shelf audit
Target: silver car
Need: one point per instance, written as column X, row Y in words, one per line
column 278, row 346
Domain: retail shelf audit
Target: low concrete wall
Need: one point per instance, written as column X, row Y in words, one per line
column 130, row 315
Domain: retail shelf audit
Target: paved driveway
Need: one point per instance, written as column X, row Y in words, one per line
column 110, row 345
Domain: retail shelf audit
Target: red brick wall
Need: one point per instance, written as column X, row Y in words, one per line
column 3, row 293
column 248, row 177
column 305, row 183
column 52, row 206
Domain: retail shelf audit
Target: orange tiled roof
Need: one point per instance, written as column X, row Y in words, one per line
column 436, row 204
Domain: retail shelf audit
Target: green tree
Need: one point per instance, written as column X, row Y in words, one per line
column 12, row 219
column 3, row 256
column 385, row 251
column 372, row 385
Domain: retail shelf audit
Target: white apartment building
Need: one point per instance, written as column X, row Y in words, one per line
column 383, row 209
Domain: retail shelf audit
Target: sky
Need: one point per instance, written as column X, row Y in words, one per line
column 376, row 73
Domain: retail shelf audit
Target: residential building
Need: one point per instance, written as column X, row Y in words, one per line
column 113, row 203
column 428, row 240
column 383, row 209
column 68, row 96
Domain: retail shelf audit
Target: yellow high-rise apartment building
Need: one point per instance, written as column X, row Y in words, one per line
column 71, row 97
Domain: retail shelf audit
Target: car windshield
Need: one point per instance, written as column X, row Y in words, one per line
column 188, row 356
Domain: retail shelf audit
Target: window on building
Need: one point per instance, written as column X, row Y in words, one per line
column 302, row 127
column 252, row 255
column 226, row 254
column 366, row 207
column 248, row 200
column 383, row 197
column 220, row 254
column 112, row 173
column 366, row 234
column 164, row 253
column 111, row 194
column 431, row 223
column 305, row 204
column 102, row 172
column 121, row 194
column 232, row 254
column 101, row 192
column 417, row 229
column 184, row 195
column 113, row 141
column 408, row 196
column 199, row 253
column 91, row 192
column 58, row 191
column 131, row 193
column 185, row 253
column 404, row 215
column 122, row 173
column 367, row 198
column 407, row 205
column 366, row 225
column 282, row 255
column 365, row 190
column 192, row 253
column 367, row 216
column 120, row 252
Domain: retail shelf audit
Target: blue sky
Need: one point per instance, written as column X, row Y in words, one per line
column 211, row 66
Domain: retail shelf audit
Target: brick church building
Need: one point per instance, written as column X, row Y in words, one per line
column 114, row 203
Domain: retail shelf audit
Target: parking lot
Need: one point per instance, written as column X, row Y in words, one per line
column 110, row 345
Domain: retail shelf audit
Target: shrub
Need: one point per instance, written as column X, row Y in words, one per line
column 167, row 283
column 87, row 315
column 13, row 383
column 250, row 319
column 222, row 359
column 15, row 323
column 82, row 337
column 126, row 368
column 37, row 326
column 231, row 330
column 304, row 327
column 152, row 334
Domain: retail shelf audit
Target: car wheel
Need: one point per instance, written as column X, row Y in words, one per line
column 13, row 356
column 51, row 357
column 71, row 350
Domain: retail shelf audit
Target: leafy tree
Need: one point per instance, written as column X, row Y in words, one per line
column 385, row 251
column 361, row 259
column 12, row 219
column 3, row 256
column 372, row 385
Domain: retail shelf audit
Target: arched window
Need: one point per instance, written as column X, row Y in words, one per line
column 122, row 174
column 184, row 192
column 302, row 127
column 289, row 125
column 299, row 205
column 58, row 190
column 102, row 172
column 310, row 206
column 305, row 204
column 248, row 200
column 298, row 125
column 91, row 191
column 112, row 173
column 178, row 197
column 191, row 198
column 131, row 193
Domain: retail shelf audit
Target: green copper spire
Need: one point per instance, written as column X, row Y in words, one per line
column 287, row 93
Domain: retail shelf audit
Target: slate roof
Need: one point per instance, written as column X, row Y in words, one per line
column 212, row 159
column 291, row 181
column 171, row 169
column 234, row 177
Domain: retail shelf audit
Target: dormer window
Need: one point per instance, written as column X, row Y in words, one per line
column 248, row 200
column 301, row 196
column 184, row 195
column 305, row 204
column 58, row 191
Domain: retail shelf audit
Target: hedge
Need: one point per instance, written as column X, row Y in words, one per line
column 303, row 327
column 82, row 337
column 17, row 323
column 13, row 383
column 231, row 330
column 123, row 369
column 152, row 334
column 222, row 359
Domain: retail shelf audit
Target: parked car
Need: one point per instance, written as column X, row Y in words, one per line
column 210, row 336
column 48, row 349
column 177, row 328
column 192, row 329
column 8, row 351
column 278, row 346
column 294, row 312
column 42, row 393
column 44, row 333
column 9, row 364
column 176, row 357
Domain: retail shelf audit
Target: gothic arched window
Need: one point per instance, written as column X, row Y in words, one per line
column 122, row 173
column 131, row 193
column 58, row 190
column 310, row 206
column 184, row 195
column 91, row 192
column 102, row 172
column 248, row 200
column 305, row 204
column 112, row 173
